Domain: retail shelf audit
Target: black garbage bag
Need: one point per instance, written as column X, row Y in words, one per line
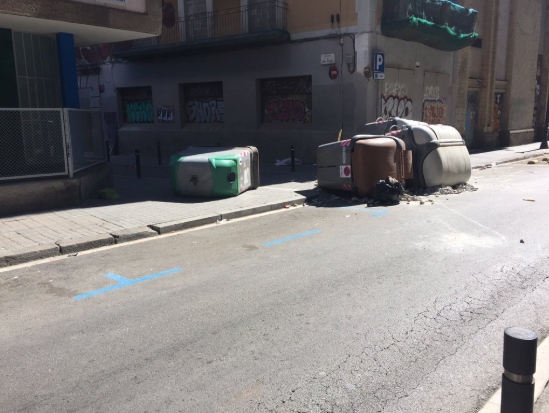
column 388, row 192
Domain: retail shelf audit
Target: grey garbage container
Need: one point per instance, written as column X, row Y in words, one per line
column 440, row 156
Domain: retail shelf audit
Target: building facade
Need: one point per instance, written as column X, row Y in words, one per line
column 275, row 74
column 43, row 132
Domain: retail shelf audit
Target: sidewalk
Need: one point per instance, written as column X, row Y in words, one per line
column 505, row 155
column 148, row 207
column 542, row 404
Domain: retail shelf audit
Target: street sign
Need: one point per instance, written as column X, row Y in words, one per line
column 333, row 72
column 345, row 171
column 327, row 59
column 379, row 65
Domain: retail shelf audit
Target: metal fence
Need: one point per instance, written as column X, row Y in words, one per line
column 49, row 142
column 253, row 18
column 86, row 138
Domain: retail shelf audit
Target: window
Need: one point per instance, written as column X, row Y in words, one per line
column 286, row 100
column 203, row 102
column 137, row 104
column 37, row 71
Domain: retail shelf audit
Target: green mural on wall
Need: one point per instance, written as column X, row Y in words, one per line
column 139, row 112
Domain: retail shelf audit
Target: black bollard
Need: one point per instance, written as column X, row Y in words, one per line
column 137, row 163
column 519, row 366
column 292, row 151
column 159, row 154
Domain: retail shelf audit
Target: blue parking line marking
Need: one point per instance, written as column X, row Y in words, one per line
column 117, row 278
column 376, row 214
column 123, row 282
column 268, row 244
column 380, row 213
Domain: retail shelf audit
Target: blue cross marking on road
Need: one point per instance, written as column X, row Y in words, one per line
column 268, row 244
column 124, row 282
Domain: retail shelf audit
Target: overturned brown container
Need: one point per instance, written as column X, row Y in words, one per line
column 375, row 159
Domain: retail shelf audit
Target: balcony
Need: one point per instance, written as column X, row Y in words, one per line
column 221, row 30
column 439, row 24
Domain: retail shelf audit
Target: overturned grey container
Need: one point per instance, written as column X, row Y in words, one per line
column 440, row 156
column 214, row 172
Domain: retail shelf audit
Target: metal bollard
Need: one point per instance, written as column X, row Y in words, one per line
column 519, row 366
column 159, row 154
column 292, row 151
column 138, row 163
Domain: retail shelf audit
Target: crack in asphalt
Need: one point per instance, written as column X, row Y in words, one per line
column 371, row 381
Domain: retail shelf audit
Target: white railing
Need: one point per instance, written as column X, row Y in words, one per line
column 36, row 143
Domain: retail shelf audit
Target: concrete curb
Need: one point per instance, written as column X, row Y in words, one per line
column 89, row 242
column 291, row 202
column 20, row 256
column 515, row 159
column 179, row 225
column 240, row 213
column 133, row 234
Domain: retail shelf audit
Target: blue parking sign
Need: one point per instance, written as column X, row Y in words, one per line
column 379, row 62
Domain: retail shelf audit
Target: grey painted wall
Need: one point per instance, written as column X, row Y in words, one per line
column 240, row 72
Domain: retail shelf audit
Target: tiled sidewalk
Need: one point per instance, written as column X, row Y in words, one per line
column 93, row 218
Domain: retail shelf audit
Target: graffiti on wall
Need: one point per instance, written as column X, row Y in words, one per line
column 287, row 100
column 434, row 106
column 287, row 110
column 471, row 117
column 434, row 111
column 496, row 114
column 395, row 101
column 204, row 102
column 137, row 104
column 395, row 106
column 205, row 110
column 537, row 90
column 139, row 112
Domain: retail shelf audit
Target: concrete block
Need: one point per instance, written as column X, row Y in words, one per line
column 172, row 226
column 132, row 234
column 22, row 255
column 89, row 242
column 244, row 212
column 20, row 197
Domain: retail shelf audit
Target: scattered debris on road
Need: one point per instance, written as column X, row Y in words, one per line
column 74, row 254
column 529, row 200
column 533, row 161
column 415, row 194
column 522, row 241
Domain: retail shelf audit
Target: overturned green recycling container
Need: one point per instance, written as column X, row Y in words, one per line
column 214, row 172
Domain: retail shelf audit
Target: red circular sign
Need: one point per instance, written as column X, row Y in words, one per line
column 347, row 171
column 333, row 72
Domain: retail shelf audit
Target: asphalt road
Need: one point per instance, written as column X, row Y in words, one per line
column 397, row 309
